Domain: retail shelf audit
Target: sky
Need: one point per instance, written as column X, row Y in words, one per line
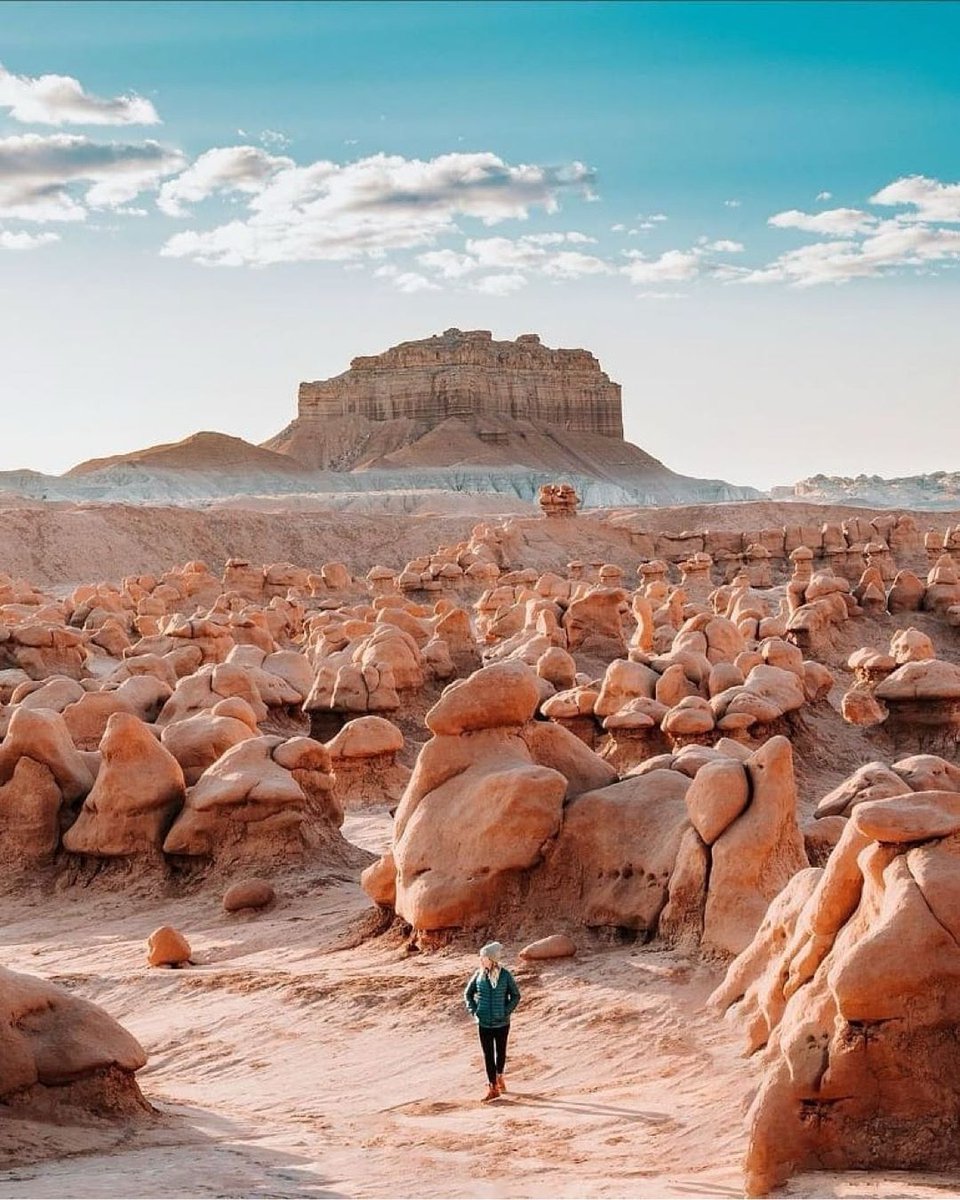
column 749, row 212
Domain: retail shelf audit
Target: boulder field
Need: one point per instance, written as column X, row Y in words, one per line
column 743, row 751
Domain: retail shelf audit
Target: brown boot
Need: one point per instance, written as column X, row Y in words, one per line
column 492, row 1093
column 501, row 1086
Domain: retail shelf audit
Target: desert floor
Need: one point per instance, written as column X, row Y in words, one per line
column 298, row 1057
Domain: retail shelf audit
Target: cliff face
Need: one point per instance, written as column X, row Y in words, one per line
column 468, row 374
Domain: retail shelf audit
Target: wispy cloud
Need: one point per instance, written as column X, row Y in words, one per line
column 335, row 211
column 832, row 221
column 500, row 285
column 931, row 199
column 61, row 100
column 25, row 241
column 889, row 247
column 60, row 177
column 406, row 281
column 226, row 169
column 546, row 254
column 673, row 266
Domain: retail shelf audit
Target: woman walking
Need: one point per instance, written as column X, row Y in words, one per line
column 491, row 996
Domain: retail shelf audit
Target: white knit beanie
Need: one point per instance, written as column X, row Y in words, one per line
column 492, row 950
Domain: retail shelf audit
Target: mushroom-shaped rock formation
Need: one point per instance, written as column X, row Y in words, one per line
column 923, row 699
column 877, row 781
column 138, row 791
column 485, row 797
column 594, row 623
column 207, row 687
column 62, row 1056
column 197, row 742
column 44, row 648
column 910, row 645
column 744, row 815
column 40, row 771
column 363, row 756
column 861, row 1065
column 265, row 799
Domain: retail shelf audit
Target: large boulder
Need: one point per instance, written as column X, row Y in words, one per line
column 265, row 799
column 853, row 986
column 62, row 1052
column 138, row 791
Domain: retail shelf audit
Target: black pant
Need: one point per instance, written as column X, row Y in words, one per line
column 494, row 1043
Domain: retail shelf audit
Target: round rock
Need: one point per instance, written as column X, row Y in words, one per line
column 249, row 893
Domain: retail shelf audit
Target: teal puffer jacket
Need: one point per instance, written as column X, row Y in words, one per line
column 491, row 1005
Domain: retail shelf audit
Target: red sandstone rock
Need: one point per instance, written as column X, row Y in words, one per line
column 57, row 1044
column 249, row 894
column 138, row 790
column 167, row 947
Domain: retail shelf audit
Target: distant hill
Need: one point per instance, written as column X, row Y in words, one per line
column 205, row 451
column 939, row 490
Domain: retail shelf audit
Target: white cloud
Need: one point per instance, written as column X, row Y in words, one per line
column 673, row 266
column 275, row 139
column 732, row 203
column 824, row 195
column 60, row 100
column 500, row 285
column 224, row 169
column 42, row 178
column 557, row 239
column 334, row 211
column 572, row 264
column 406, row 281
column 888, row 248
column 536, row 252
column 725, row 246
column 932, row 200
column 838, row 222
column 26, row 241
column 652, row 218
column 448, row 263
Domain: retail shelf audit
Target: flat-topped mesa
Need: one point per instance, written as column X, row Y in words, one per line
column 466, row 373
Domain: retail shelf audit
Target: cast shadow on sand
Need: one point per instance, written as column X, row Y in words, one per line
column 225, row 1157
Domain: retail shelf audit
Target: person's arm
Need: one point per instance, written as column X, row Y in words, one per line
column 470, row 996
column 513, row 994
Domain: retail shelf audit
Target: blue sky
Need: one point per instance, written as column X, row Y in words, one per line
column 750, row 212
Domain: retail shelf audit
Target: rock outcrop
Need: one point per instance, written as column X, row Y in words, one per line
column 851, row 984
column 461, row 373
column 62, row 1057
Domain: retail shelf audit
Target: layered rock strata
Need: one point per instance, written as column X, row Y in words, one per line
column 466, row 373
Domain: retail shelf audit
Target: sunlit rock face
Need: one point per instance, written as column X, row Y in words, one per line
column 461, row 373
